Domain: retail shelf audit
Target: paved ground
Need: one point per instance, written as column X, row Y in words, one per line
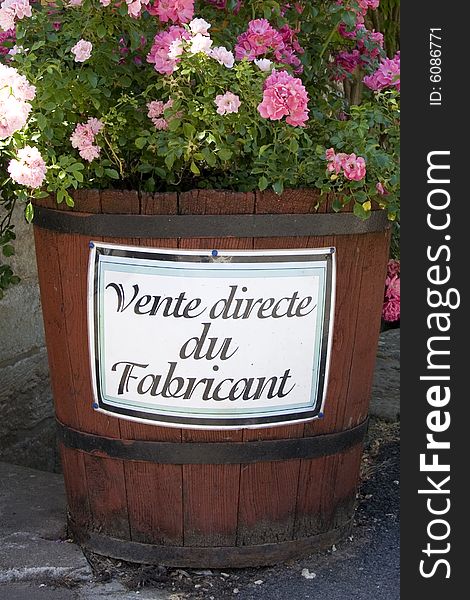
column 38, row 563
column 386, row 388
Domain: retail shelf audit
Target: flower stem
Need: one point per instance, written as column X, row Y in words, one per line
column 327, row 43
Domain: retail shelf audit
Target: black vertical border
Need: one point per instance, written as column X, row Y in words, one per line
column 425, row 129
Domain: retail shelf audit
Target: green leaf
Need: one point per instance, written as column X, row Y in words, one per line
column 195, row 169
column 8, row 250
column 75, row 167
column 360, row 212
column 69, row 200
column 141, row 142
column 174, row 124
column 92, row 78
column 189, row 130
column 360, row 196
column 29, row 212
column 337, row 204
column 112, row 173
column 263, row 183
column 101, row 31
column 294, row 146
column 37, row 45
column 135, row 40
column 278, row 187
column 41, row 121
column 225, row 154
column 209, row 157
column 170, row 160
column 263, row 149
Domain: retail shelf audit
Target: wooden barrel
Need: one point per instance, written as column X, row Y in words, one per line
column 180, row 497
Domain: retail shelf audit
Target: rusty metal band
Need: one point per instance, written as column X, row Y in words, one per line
column 207, row 557
column 207, row 226
column 211, row 453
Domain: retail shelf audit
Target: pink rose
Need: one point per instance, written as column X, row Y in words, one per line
column 200, row 43
column 284, row 96
column 156, row 111
column 15, row 92
column 10, row 10
column 264, row 64
column 159, row 52
column 28, row 168
column 380, row 188
column 393, row 268
column 82, row 50
column 199, row 26
column 223, row 56
column 177, row 11
column 391, row 311
column 83, row 138
column 387, row 75
column 227, row 103
column 354, row 168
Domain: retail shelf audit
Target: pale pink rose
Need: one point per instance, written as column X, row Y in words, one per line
column 227, row 103
column 83, row 138
column 28, row 168
column 264, row 64
column 200, row 43
column 75, row 2
column 223, row 56
column 89, row 153
column 15, row 91
column 95, row 125
column 14, row 84
column 82, row 50
column 199, row 26
column 175, row 50
column 161, row 124
column 10, row 10
column 13, row 116
column 156, row 110
column 134, row 7
column 105, row 2
column 7, row 19
column 330, row 154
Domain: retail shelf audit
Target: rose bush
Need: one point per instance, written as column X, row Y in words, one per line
column 163, row 95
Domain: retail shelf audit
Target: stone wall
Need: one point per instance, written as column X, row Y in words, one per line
column 27, row 434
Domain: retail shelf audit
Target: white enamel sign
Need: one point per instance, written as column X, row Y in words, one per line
column 210, row 340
